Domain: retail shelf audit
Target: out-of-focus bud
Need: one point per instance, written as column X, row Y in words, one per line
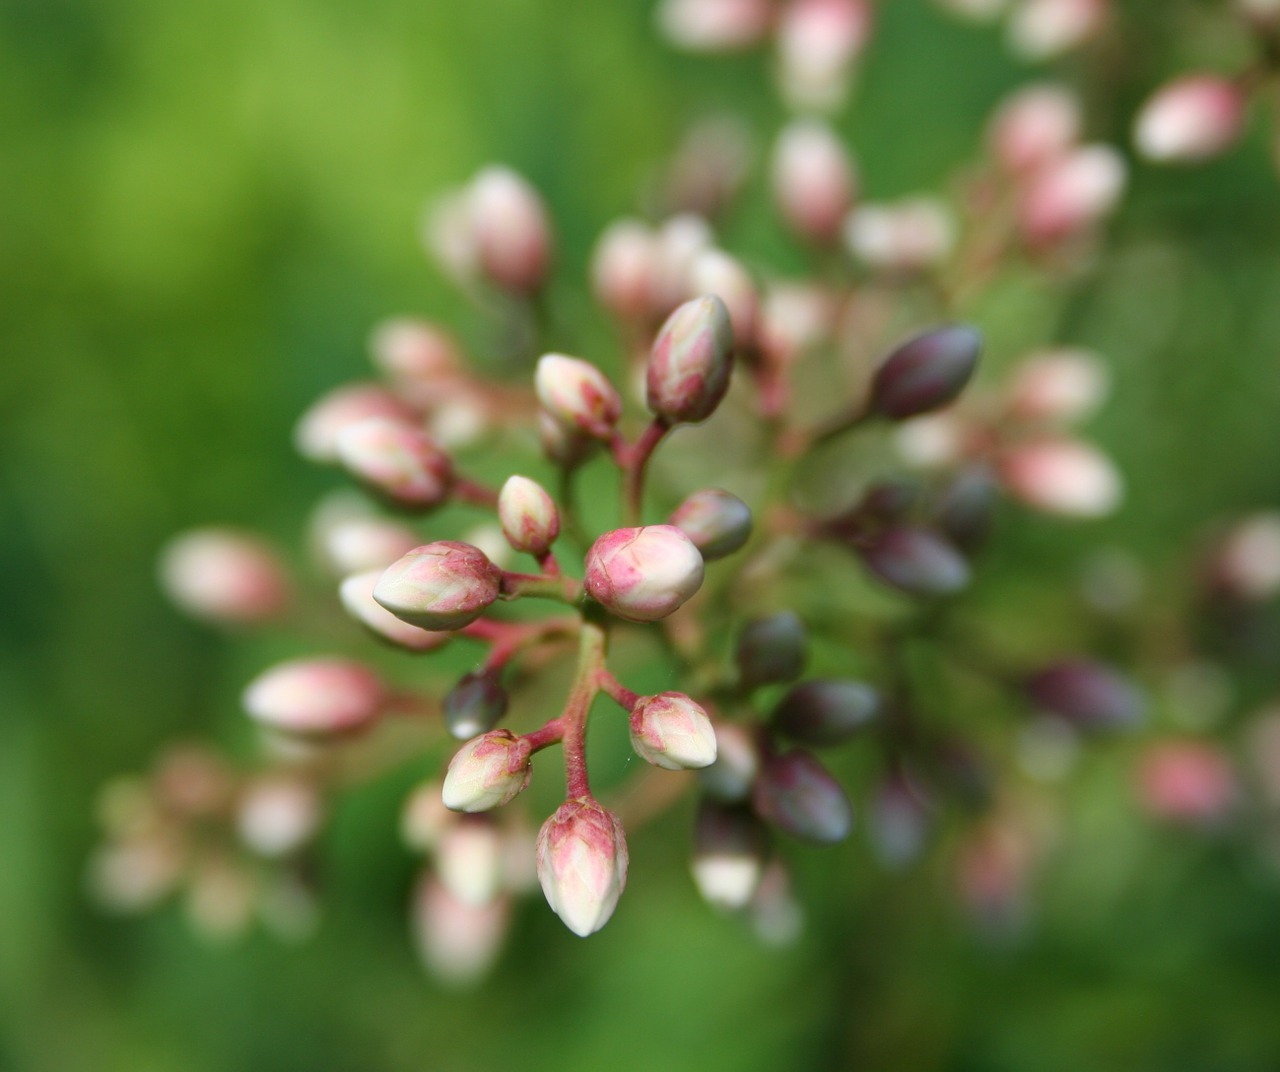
column 680, row 240
column 729, row 851
column 993, row 869
column 826, row 711
column 192, row 781
column 1190, row 119
column 709, row 168
column 796, row 794
column 528, row 515
column 315, row 696
column 1034, row 127
column 715, row 272
column 965, row 508
column 577, row 394
column 469, row 860
column 443, row 585
column 671, row 731
column 1042, row 29
column 776, row 915
column 419, row 357
column 771, row 650
column 933, row 441
column 794, row 319
column 487, row 772
column 718, row 522
column 623, row 267
column 277, row 815
column 220, row 899
column 818, row 42
column 899, row 821
column 137, row 873
column 425, row 818
column 1071, row 194
column 916, row 561
column 730, row 777
column 564, row 446
column 349, row 539
column 902, row 238
column 582, row 864
column 1062, row 476
column 1061, row 386
column 510, row 228
column 458, row 942
column 1263, row 14
column 714, row 25
column 643, row 574
column 1245, row 564
column 356, row 596
column 316, row 433
column 814, row 180
column 475, row 704
column 926, row 372
column 1187, row 782
column 449, row 236
column 224, row 576
column 397, row 460
column 690, row 363
column 1086, row 694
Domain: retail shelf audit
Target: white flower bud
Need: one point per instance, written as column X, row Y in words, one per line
column 528, row 514
column 671, row 731
column 577, row 394
column 582, row 864
column 487, row 772
column 643, row 574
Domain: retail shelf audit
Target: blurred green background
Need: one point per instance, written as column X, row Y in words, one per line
column 204, row 207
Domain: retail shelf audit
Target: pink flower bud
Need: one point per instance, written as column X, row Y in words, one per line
column 794, row 319
column 1062, row 476
column 469, row 860
column 316, row 433
column 776, row 916
column 353, row 542
column 1041, row 29
column 714, row 25
column 277, row 815
column 715, row 272
column 926, row 372
column 224, row 576
column 487, row 772
column 356, row 596
column 420, row 357
column 443, row 585
column 458, row 942
column 510, row 229
column 729, row 853
column 796, row 794
column 582, row 864
column 690, row 363
column 396, row 460
column 1187, row 782
column 717, row 522
column 902, row 238
column 577, row 394
column 315, row 696
column 1071, row 194
column 1061, row 386
column 643, row 574
column 1246, row 562
column 1034, row 127
column 623, row 267
column 671, row 731
column 818, row 42
column 528, row 515
column 680, row 241
column 1190, row 119
column 814, row 180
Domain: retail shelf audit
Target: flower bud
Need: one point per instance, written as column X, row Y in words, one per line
column 715, row 272
column 1042, row 29
column 356, row 596
column 1187, row 782
column 901, row 238
column 1246, row 562
column 714, row 25
column 475, row 704
column 224, row 576
column 796, row 794
column 1061, row 386
column 794, row 319
column 1071, row 194
column 1190, row 119
column 729, row 852
column 316, row 433
column 730, row 777
column 458, row 942
column 424, row 819
column 899, row 821
column 315, row 696
column 826, row 711
column 771, row 650
column 777, row 917
column 487, row 772
column 966, row 506
column 934, row 441
column 469, row 860
column 443, row 585
column 643, row 574
column 680, row 241
column 692, row 357
column 564, row 446
column 623, row 267
column 717, row 522
column 418, row 356
column 671, row 731
column 1062, row 476
column 1087, row 694
column 916, row 561
column 1034, row 127
column 510, row 229
column 814, row 180
column 818, row 42
column 277, row 815
column 528, row 515
column 577, row 394
column 348, row 539
column 582, row 864
column 396, row 460
column 925, row 372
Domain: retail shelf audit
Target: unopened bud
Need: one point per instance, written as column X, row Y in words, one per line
column 1193, row 118
column 718, row 523
column 715, row 272
column 1060, row 386
column 1034, row 127
column 826, row 711
column 902, row 238
column 528, row 515
column 916, row 561
column 818, row 42
column 396, row 460
column 458, row 942
column 1086, row 694
column 771, row 650
column 934, row 441
column 796, row 794
column 1062, row 476
column 643, row 574
column 224, row 576
column 1041, row 29
column 582, row 864
column 443, row 585
column 729, row 852
column 511, row 233
column 714, row 25
column 277, row 815
column 487, row 772
column 814, row 180
column 1187, row 782
column 356, row 596
column 671, row 731
column 577, row 394
column 475, row 704
column 315, row 696
column 316, row 433
column 680, row 241
column 623, row 267
column 469, row 860
column 425, row 819
column 1246, row 562
column 794, row 319
column 351, row 540
column 1071, row 194
column 965, row 508
column 926, row 372
column 420, row 357
column 690, row 363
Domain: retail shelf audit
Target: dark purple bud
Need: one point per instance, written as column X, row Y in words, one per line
column 796, row 794
column 475, row 705
column 966, row 507
column 771, row 650
column 826, row 711
column 1087, row 694
column 916, row 561
column 926, row 372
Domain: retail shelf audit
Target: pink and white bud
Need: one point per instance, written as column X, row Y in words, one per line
column 711, row 165
column 397, row 460
column 443, row 585
column 350, row 542
column 671, row 731
column 458, row 942
column 528, row 514
column 1187, row 782
column 277, row 815
column 729, row 853
column 902, row 238
column 582, row 864
column 356, row 596
column 1193, row 118
column 487, row 772
column 577, row 394
column 643, row 574
column 511, row 231
column 224, row 576
column 679, row 242
column 1071, row 194
column 715, row 272
column 1035, row 126
column 718, row 522
column 691, row 361
column 623, row 267
column 1058, row 386
column 419, row 357
column 1062, row 476
column 316, row 433
column 425, row 818
column 1246, row 562
column 794, row 319
column 814, row 180
column 1042, row 29
column 316, row 696
column 469, row 860
column 714, row 25
column 818, row 44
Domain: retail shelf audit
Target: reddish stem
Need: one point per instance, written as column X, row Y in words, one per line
column 617, row 691
column 635, row 467
column 468, row 491
column 586, row 684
